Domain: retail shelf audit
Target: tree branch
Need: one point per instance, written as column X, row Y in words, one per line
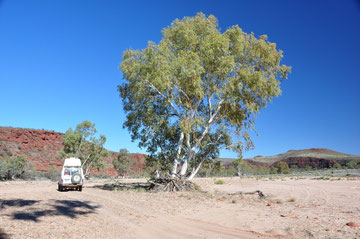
column 171, row 103
column 210, row 122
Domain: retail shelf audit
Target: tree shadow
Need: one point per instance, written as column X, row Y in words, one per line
column 4, row 235
column 124, row 186
column 67, row 208
column 16, row 203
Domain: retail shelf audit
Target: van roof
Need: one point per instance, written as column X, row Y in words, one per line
column 72, row 162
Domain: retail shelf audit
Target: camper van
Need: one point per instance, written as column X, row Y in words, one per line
column 72, row 176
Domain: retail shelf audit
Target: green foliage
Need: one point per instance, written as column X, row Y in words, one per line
column 353, row 165
column 200, row 83
column 83, row 144
column 219, row 181
column 273, row 170
column 123, row 163
column 13, row 167
column 283, row 167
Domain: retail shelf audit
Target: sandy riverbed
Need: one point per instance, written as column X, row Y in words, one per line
column 301, row 208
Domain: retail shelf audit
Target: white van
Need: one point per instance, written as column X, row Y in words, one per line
column 71, row 175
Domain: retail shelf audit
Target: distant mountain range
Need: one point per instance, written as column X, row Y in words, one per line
column 314, row 157
column 42, row 148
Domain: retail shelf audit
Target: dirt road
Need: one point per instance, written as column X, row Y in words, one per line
column 293, row 209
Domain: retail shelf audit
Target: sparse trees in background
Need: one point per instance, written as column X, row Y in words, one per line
column 198, row 91
column 83, row 144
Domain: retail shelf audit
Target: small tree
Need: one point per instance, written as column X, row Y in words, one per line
column 239, row 164
column 123, row 163
column 83, row 144
column 198, row 90
column 283, row 167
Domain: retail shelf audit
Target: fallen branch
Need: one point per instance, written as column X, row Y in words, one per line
column 261, row 195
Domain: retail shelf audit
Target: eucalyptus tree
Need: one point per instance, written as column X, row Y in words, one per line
column 198, row 90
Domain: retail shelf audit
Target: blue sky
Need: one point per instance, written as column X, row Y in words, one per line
column 59, row 65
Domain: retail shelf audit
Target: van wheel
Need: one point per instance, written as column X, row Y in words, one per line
column 80, row 188
column 60, row 188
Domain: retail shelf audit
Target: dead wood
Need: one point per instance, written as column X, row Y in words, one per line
column 261, row 195
column 169, row 184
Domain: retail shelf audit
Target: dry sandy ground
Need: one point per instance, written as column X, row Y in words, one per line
column 321, row 210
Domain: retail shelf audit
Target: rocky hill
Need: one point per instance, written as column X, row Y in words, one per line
column 314, row 157
column 42, row 148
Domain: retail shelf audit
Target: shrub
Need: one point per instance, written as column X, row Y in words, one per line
column 13, row 167
column 273, row 170
column 219, row 181
column 292, row 199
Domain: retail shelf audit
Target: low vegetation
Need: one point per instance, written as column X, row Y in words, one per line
column 219, row 181
column 292, row 199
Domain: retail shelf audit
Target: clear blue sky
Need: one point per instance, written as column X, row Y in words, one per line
column 59, row 65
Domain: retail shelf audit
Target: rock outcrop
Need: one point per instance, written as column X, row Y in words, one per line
column 42, row 148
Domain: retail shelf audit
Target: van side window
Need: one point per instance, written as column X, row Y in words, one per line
column 67, row 171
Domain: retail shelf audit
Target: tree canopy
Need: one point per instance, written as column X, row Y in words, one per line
column 198, row 90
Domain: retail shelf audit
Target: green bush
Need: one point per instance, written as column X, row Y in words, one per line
column 13, row 167
column 352, row 165
column 219, row 181
column 273, row 170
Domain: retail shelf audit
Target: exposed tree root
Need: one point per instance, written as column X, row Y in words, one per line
column 165, row 184
column 169, row 184
column 261, row 195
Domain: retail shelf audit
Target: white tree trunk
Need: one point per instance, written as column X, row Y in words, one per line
column 177, row 159
column 184, row 167
column 194, row 172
